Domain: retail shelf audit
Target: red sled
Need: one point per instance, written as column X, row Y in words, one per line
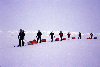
column 57, row 39
column 89, row 38
column 64, row 38
column 29, row 43
column 43, row 40
column 73, row 38
column 34, row 42
column 95, row 37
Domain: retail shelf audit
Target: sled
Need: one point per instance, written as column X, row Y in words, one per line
column 57, row 39
column 32, row 42
column 64, row 38
column 73, row 38
column 29, row 43
column 89, row 38
column 43, row 40
column 95, row 37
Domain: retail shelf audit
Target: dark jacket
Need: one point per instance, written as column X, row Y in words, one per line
column 51, row 34
column 68, row 34
column 91, row 34
column 61, row 34
column 79, row 34
column 39, row 34
column 21, row 35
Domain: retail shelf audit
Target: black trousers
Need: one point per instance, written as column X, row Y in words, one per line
column 51, row 39
column 61, row 38
column 79, row 37
column 68, row 36
column 91, row 37
column 21, row 42
column 38, row 39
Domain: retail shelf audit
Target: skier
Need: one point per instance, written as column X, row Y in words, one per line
column 61, row 35
column 21, row 37
column 79, row 35
column 39, row 36
column 52, row 34
column 91, row 34
column 68, row 34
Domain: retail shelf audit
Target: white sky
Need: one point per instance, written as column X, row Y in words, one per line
column 70, row 15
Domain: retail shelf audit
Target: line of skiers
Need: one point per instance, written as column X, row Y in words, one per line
column 22, row 35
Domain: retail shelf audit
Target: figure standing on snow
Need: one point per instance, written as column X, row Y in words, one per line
column 52, row 35
column 61, row 35
column 79, row 35
column 68, row 34
column 39, row 36
column 21, row 37
column 91, row 34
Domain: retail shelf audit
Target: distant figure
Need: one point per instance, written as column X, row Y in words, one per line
column 52, row 34
column 68, row 34
column 61, row 35
column 39, row 36
column 91, row 34
column 79, row 35
column 21, row 37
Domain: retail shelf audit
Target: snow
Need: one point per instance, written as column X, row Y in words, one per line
column 67, row 53
column 72, row 16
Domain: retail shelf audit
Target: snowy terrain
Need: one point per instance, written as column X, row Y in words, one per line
column 46, row 15
column 68, row 53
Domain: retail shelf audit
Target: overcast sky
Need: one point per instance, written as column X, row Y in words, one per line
column 69, row 15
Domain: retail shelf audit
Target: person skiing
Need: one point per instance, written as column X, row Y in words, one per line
column 68, row 34
column 52, row 34
column 61, row 35
column 21, row 37
column 39, row 36
column 91, row 34
column 79, row 35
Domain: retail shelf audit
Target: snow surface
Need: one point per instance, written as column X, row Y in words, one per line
column 68, row 53
column 70, row 15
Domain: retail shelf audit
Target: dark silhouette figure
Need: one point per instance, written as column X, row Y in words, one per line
column 39, row 36
column 61, row 35
column 91, row 34
column 21, row 37
column 52, row 34
column 68, row 34
column 79, row 35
